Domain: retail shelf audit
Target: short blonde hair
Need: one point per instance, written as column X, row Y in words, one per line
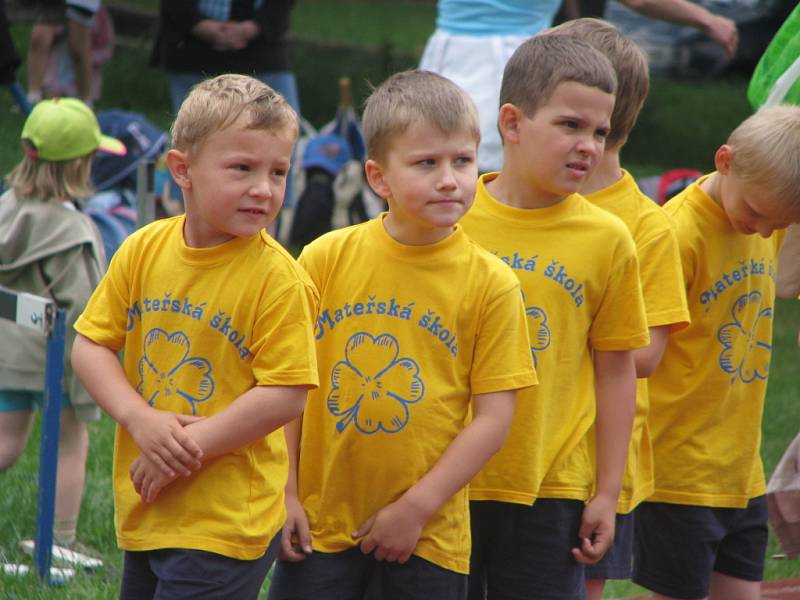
column 544, row 61
column 766, row 152
column 52, row 180
column 217, row 103
column 415, row 97
column 630, row 64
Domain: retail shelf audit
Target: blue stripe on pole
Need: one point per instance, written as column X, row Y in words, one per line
column 48, row 455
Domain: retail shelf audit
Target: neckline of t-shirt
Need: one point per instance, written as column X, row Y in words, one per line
column 530, row 216
column 413, row 253
column 213, row 256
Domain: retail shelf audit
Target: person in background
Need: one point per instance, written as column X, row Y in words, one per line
column 474, row 39
column 50, row 249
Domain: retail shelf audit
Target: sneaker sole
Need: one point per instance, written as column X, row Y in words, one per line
column 64, row 555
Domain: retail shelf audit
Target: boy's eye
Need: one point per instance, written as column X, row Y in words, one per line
column 602, row 132
column 464, row 160
column 242, row 167
column 427, row 162
column 280, row 172
column 571, row 124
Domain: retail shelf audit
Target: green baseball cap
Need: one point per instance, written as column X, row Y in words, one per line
column 65, row 129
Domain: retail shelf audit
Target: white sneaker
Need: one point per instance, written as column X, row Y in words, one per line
column 57, row 576
column 64, row 555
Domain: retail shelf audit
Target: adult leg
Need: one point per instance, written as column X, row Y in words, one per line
column 79, row 45
column 73, row 449
column 42, row 36
column 15, row 427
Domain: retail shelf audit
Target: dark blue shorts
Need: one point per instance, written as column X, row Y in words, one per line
column 353, row 575
column 678, row 546
column 178, row 573
column 524, row 552
column 618, row 560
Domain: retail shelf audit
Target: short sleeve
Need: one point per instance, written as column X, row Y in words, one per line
column 283, row 338
column 502, row 357
column 662, row 280
column 619, row 323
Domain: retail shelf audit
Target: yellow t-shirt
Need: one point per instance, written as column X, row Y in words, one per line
column 707, row 396
column 665, row 304
column 579, row 274
column 405, row 336
column 199, row 327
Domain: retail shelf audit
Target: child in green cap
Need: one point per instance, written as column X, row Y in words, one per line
column 50, row 249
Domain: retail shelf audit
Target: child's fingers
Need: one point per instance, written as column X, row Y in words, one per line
column 365, row 527
column 303, row 534
column 288, row 551
column 184, row 439
column 587, row 553
column 168, row 463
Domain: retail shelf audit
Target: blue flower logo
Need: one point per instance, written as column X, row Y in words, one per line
column 167, row 370
column 372, row 387
column 539, row 330
column 745, row 352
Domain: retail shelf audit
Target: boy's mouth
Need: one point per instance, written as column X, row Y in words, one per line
column 578, row 167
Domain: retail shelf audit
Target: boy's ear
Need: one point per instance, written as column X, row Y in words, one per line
column 508, row 122
column 376, row 177
column 723, row 159
column 178, row 165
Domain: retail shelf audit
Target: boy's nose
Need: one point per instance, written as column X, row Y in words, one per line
column 589, row 146
column 447, row 179
column 261, row 189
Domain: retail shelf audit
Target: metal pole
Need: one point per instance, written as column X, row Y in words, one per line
column 48, row 466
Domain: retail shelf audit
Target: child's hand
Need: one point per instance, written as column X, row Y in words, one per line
column 161, row 437
column 296, row 538
column 392, row 532
column 597, row 530
column 148, row 480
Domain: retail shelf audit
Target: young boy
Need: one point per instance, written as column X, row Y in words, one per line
column 215, row 320
column 534, row 521
column 703, row 533
column 417, row 326
column 612, row 188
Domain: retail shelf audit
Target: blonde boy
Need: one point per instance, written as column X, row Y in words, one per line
column 215, row 320
column 703, row 533
column 417, row 325
column 534, row 519
column 612, row 188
